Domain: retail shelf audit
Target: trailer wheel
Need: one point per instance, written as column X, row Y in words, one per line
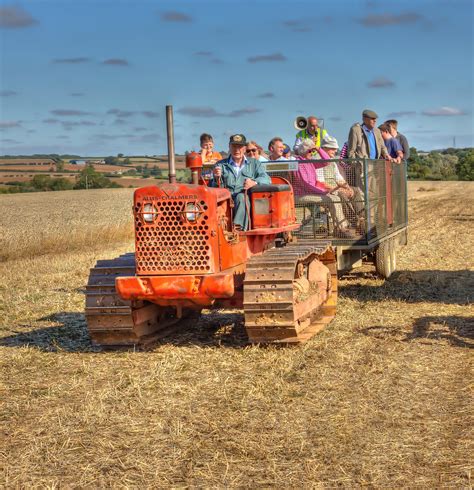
column 383, row 259
column 393, row 255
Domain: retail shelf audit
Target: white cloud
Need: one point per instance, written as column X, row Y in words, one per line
column 444, row 111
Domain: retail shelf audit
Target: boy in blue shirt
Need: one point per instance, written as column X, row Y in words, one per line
column 394, row 148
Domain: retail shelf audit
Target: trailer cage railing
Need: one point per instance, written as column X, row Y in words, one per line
column 372, row 205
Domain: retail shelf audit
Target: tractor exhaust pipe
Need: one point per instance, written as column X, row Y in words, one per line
column 170, row 137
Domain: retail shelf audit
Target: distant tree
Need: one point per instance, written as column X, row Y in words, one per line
column 120, row 155
column 127, row 161
column 417, row 169
column 41, row 182
column 61, row 184
column 145, row 171
column 47, row 183
column 448, row 166
column 414, row 157
column 59, row 166
column 89, row 178
column 111, row 161
column 183, row 175
column 465, row 166
column 131, row 171
column 156, row 172
column 450, row 151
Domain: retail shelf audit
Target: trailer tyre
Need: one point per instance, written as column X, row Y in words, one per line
column 383, row 259
column 393, row 255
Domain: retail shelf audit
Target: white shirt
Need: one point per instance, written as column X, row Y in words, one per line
column 281, row 159
column 332, row 167
column 237, row 168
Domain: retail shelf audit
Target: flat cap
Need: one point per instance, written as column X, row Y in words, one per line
column 238, row 139
column 369, row 113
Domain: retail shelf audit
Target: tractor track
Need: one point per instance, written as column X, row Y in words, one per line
column 278, row 306
column 113, row 321
column 275, row 312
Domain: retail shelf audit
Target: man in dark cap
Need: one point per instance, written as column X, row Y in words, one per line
column 365, row 140
column 239, row 173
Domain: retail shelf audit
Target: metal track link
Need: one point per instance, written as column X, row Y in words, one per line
column 113, row 321
column 290, row 293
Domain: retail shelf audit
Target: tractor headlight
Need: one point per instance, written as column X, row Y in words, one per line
column 192, row 212
column 149, row 213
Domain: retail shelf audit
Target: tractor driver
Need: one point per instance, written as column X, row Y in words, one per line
column 239, row 173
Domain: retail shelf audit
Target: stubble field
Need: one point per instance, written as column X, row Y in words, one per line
column 381, row 398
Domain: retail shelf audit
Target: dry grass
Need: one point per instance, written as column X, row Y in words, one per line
column 382, row 398
column 135, row 181
column 43, row 223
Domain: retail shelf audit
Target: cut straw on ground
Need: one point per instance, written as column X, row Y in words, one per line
column 382, row 398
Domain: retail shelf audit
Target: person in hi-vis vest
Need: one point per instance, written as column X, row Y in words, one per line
column 312, row 132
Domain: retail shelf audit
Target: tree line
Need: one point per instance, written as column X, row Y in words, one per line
column 449, row 164
column 88, row 178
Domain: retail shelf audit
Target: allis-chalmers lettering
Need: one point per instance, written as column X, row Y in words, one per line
column 171, row 198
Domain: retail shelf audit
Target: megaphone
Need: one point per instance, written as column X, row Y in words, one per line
column 300, row 123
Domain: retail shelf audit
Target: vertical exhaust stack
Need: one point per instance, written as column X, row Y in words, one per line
column 170, row 137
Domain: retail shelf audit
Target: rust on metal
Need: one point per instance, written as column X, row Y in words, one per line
column 290, row 293
column 113, row 321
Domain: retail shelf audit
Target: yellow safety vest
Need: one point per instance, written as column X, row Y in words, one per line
column 303, row 134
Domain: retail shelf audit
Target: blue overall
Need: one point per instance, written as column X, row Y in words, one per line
column 234, row 180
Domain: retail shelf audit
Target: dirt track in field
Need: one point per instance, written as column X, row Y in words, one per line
column 383, row 397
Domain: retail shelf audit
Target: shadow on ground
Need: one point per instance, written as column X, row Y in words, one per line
column 70, row 335
column 214, row 329
column 68, row 331
column 437, row 286
column 458, row 331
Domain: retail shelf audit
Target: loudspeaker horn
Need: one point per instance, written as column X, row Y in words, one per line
column 300, row 123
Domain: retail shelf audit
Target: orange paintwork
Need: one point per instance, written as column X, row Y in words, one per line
column 172, row 290
column 273, row 209
column 193, row 160
column 187, row 252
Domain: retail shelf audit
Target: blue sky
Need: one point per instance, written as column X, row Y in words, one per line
column 93, row 77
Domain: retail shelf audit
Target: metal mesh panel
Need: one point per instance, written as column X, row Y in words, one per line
column 361, row 213
column 171, row 244
column 399, row 196
column 376, row 198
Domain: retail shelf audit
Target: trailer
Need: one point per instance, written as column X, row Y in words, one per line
column 377, row 214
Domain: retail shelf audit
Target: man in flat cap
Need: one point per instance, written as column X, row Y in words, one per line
column 365, row 141
column 239, row 173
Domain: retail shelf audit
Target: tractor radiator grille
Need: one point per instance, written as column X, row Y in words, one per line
column 171, row 244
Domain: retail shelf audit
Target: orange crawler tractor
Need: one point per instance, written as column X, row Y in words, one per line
column 189, row 256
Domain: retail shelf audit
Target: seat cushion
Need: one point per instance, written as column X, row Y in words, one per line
column 269, row 188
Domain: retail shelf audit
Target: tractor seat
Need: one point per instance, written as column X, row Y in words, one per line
column 269, row 188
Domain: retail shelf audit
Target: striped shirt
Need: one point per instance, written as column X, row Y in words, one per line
column 344, row 151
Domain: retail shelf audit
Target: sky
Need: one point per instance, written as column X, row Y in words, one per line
column 93, row 77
